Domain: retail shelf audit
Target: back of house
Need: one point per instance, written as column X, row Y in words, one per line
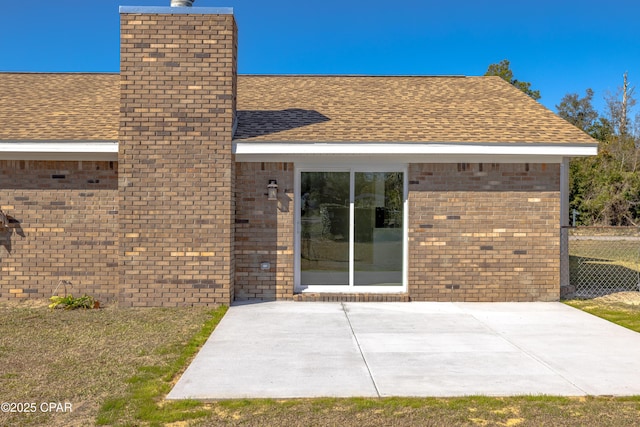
column 180, row 182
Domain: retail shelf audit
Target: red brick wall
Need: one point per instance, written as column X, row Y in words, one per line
column 63, row 227
column 176, row 184
column 484, row 232
column 264, row 232
column 476, row 233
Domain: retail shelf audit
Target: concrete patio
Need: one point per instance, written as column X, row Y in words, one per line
column 295, row 349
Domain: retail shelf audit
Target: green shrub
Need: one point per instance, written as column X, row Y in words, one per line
column 70, row 303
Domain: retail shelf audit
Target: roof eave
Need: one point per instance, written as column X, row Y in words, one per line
column 59, row 150
column 263, row 151
column 251, row 151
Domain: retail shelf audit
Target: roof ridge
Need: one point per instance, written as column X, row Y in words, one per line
column 358, row 75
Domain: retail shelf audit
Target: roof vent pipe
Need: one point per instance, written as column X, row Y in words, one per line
column 182, row 3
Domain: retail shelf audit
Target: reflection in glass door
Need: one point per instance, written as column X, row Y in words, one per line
column 324, row 228
column 378, row 220
column 351, row 230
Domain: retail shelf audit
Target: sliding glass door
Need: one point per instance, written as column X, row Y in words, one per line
column 378, row 220
column 324, row 228
column 351, row 234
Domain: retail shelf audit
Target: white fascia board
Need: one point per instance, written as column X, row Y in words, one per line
column 363, row 148
column 367, row 149
column 59, row 150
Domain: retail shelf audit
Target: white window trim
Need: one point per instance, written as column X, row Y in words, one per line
column 351, row 288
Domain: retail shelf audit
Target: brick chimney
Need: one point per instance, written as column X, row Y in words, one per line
column 176, row 170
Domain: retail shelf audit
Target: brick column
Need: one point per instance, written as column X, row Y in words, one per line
column 176, row 169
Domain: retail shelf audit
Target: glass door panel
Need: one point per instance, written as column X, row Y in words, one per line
column 324, row 228
column 378, row 228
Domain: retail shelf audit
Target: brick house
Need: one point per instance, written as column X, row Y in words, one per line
column 178, row 182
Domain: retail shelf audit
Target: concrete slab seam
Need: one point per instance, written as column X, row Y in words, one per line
column 529, row 354
column 364, row 360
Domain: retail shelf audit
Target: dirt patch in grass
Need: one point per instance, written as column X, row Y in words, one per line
column 625, row 298
column 82, row 357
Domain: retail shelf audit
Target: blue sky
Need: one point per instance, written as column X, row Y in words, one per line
column 559, row 46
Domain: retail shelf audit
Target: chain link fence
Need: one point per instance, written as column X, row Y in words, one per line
column 604, row 260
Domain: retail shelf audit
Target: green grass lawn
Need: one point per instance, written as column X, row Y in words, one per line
column 116, row 365
column 626, row 315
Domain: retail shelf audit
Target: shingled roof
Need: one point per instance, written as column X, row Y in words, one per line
column 85, row 107
column 59, row 106
column 395, row 109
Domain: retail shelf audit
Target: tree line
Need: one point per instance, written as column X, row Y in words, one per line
column 604, row 189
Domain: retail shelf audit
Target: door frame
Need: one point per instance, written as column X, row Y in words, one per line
column 352, row 169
